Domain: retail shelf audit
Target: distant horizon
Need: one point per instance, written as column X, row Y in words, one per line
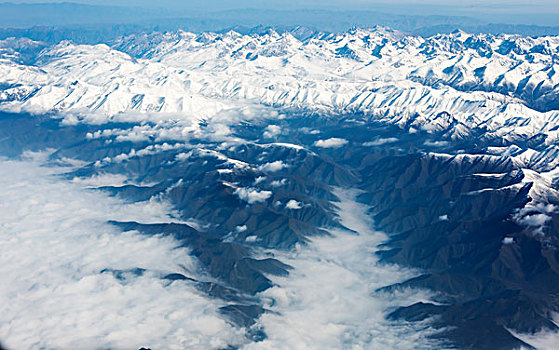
column 90, row 22
column 538, row 12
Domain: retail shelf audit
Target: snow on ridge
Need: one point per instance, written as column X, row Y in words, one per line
column 457, row 83
column 378, row 72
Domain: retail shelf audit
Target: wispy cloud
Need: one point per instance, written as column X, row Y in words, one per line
column 381, row 141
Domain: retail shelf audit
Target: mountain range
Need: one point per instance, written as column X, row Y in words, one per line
column 276, row 149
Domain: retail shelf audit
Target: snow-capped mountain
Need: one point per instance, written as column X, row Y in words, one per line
column 273, row 157
column 467, row 84
column 482, row 81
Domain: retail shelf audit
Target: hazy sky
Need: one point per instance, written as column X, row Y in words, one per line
column 502, row 4
column 544, row 12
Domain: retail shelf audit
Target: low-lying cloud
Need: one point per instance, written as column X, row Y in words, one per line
column 329, row 300
column 272, row 167
column 333, row 142
column 55, row 243
column 545, row 340
column 381, row 141
column 252, row 195
column 293, row 204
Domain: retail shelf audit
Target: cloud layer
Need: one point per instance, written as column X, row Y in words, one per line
column 55, row 243
column 329, row 301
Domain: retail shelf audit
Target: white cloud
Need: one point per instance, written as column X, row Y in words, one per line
column 251, row 239
column 252, row 195
column 55, row 241
column 545, row 340
column 329, row 299
column 151, row 149
column 293, row 204
column 273, row 166
column 535, row 215
column 259, row 179
column 184, row 156
column 535, row 220
column 508, row 240
column 333, row 142
column 278, row 183
column 238, row 164
column 101, row 180
column 272, row 131
column 240, row 229
column 381, row 141
column 436, row 143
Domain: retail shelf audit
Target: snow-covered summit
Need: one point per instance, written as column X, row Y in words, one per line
column 504, row 84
